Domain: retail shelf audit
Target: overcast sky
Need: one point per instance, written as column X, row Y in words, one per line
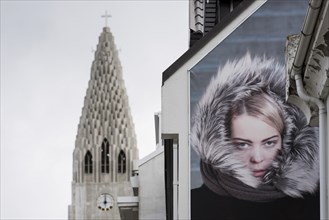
column 46, row 55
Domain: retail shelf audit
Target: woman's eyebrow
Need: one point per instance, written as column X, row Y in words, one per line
column 274, row 136
column 241, row 139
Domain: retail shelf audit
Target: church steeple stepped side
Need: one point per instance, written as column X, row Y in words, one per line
column 105, row 145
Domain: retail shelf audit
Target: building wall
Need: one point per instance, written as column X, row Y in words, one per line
column 175, row 121
column 85, row 200
column 175, row 111
column 152, row 203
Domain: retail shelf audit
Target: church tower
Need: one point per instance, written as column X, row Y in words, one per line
column 105, row 145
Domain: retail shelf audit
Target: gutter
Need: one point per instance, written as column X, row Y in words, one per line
column 303, row 47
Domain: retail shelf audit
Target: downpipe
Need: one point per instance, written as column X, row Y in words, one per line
column 324, row 206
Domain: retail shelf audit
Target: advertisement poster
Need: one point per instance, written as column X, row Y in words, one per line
column 253, row 155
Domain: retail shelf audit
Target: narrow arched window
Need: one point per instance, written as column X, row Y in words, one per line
column 105, row 154
column 88, row 162
column 122, row 162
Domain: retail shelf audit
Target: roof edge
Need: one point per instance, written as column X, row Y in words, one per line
column 204, row 40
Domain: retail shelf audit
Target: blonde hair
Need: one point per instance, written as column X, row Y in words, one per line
column 261, row 106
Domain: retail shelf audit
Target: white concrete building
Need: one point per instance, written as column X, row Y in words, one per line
column 152, row 200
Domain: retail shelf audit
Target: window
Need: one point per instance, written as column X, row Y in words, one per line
column 105, row 154
column 122, row 162
column 88, row 163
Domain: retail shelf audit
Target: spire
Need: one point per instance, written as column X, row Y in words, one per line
column 106, row 16
column 106, row 112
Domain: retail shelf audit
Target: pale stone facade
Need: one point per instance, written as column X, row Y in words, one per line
column 105, row 146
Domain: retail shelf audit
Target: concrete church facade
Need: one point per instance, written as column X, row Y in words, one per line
column 105, row 147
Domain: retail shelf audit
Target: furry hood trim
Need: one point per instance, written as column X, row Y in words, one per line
column 295, row 170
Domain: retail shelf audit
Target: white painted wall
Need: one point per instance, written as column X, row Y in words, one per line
column 152, row 198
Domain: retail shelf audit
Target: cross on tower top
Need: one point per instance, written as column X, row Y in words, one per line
column 106, row 16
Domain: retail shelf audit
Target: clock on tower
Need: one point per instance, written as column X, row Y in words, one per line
column 105, row 202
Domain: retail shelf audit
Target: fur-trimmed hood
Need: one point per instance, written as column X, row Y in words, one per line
column 295, row 170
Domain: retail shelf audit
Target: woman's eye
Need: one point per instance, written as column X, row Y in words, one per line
column 270, row 143
column 241, row 145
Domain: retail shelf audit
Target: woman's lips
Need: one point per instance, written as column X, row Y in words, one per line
column 258, row 173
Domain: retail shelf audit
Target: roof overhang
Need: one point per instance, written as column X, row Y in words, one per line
column 214, row 37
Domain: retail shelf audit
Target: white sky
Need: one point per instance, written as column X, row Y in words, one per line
column 46, row 56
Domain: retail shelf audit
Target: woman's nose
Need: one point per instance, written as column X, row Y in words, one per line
column 256, row 156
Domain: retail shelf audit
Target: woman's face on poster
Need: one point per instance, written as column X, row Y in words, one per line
column 257, row 143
